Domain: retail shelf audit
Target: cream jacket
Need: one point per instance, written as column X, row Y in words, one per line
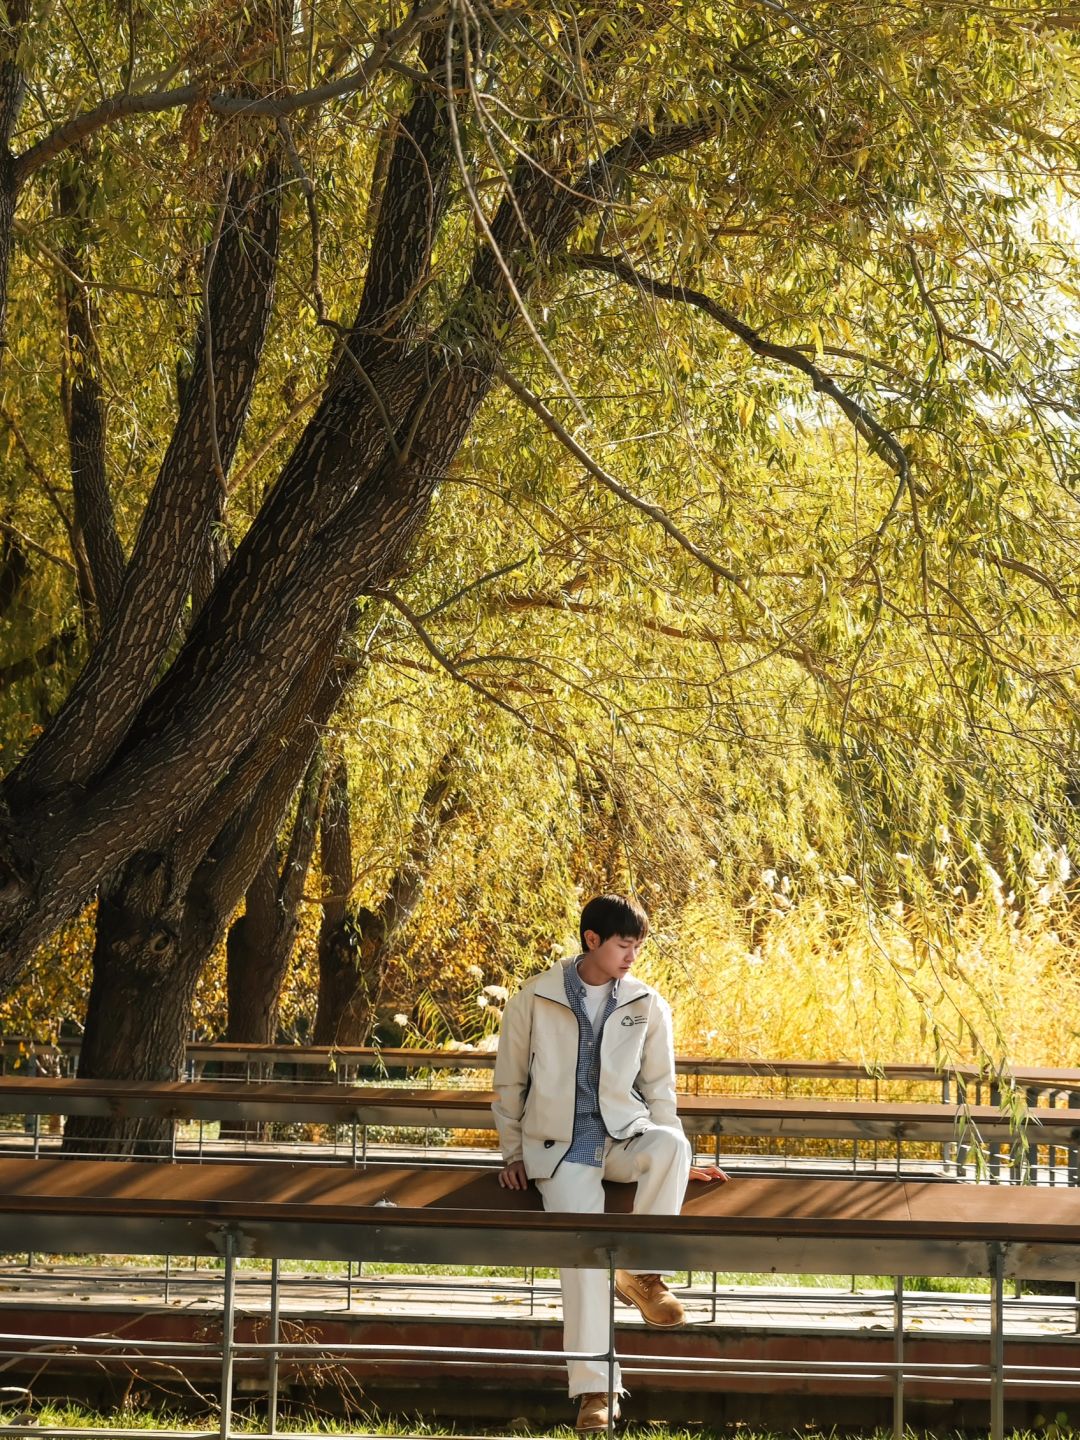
column 536, row 1069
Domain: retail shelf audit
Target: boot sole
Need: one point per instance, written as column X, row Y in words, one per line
column 653, row 1324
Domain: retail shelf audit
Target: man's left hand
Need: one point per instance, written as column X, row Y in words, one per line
column 711, row 1173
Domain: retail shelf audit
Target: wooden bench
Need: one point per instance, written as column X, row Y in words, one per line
column 461, row 1216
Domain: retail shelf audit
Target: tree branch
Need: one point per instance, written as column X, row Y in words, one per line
column 881, row 441
column 451, row 669
column 124, row 105
column 646, row 507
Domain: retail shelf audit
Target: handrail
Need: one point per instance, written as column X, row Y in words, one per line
column 232, row 1101
column 346, row 1059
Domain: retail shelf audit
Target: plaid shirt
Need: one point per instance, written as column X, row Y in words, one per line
column 587, row 1146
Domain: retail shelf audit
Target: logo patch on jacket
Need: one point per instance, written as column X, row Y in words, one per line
column 634, row 1020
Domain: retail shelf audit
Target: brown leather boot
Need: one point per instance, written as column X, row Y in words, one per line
column 651, row 1296
column 593, row 1412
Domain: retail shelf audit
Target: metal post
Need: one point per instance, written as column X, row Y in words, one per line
column 168, row 1277
column 1073, row 1153
column 611, row 1346
column 228, row 1316
column 1031, row 1095
column 354, row 1144
column 898, row 1357
column 37, row 1136
column 275, row 1336
column 995, row 1149
column 945, row 1101
column 348, row 1286
column 997, row 1342
column 172, row 1139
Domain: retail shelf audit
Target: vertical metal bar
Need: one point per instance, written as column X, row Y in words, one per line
column 1031, row 1095
column 945, row 1100
column 168, row 1278
column 172, row 1138
column 275, row 1336
column 37, row 1136
column 348, row 1286
column 363, row 1143
column 1073, row 1103
column 898, row 1357
column 354, row 1144
column 995, row 1150
column 997, row 1342
column 228, row 1317
column 611, row 1346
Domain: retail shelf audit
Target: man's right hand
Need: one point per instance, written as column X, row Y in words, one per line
column 513, row 1177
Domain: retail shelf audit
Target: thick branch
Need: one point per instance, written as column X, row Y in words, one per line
column 85, row 402
column 125, row 105
column 184, row 504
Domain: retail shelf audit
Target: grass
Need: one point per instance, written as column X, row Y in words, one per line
column 71, row 1417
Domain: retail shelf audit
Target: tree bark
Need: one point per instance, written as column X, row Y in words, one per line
column 12, row 94
column 84, row 401
column 260, row 942
column 147, row 960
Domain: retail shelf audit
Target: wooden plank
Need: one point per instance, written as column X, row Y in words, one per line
column 461, row 1215
column 701, row 1115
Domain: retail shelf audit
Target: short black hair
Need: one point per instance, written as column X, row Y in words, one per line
column 609, row 915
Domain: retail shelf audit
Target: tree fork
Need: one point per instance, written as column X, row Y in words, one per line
column 185, row 502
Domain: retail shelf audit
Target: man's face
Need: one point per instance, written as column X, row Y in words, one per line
column 608, row 959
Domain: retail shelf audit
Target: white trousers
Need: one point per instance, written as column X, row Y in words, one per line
column 659, row 1161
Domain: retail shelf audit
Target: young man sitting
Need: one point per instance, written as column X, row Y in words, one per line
column 585, row 1091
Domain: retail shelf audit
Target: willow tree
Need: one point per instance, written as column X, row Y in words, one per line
column 496, row 212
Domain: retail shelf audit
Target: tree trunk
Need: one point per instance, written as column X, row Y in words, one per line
column 253, row 960
column 261, row 941
column 139, row 1013
column 162, row 915
column 355, row 945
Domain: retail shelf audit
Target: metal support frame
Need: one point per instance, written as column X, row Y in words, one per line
column 898, row 1358
column 997, row 1341
column 611, row 1346
column 228, row 1320
column 275, row 1355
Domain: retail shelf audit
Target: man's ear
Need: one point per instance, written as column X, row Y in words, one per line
column 592, row 940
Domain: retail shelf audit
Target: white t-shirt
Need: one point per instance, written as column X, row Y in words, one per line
column 596, row 997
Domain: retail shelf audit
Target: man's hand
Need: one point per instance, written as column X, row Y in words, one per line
column 708, row 1172
column 513, row 1177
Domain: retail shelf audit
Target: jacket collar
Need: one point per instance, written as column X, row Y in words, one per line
column 552, row 985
